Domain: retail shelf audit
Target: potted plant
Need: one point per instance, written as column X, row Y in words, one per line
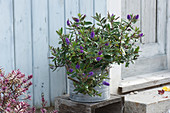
column 88, row 50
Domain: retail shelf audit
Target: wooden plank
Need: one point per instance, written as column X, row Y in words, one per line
column 101, row 7
column 23, row 46
column 168, row 35
column 57, row 20
column 71, row 10
column 145, row 65
column 86, row 7
column 161, row 24
column 144, row 81
column 149, row 21
column 40, row 51
column 6, row 36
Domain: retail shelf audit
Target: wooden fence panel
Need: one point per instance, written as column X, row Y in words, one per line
column 40, row 50
column 56, row 21
column 23, row 39
column 6, row 36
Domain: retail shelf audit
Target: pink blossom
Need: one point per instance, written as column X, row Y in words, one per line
column 43, row 110
column 30, row 83
column 30, row 77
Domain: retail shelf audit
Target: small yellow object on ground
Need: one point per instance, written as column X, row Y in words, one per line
column 166, row 88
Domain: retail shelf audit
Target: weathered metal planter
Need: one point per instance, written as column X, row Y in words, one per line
column 105, row 90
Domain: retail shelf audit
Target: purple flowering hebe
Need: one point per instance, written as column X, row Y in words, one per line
column 13, row 93
column 88, row 47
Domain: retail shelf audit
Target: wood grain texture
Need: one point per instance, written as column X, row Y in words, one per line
column 149, row 21
column 6, row 36
column 23, row 46
column 56, row 21
column 40, row 51
column 64, row 105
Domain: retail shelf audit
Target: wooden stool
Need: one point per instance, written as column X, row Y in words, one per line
column 113, row 105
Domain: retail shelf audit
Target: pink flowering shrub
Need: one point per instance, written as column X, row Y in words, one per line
column 13, row 93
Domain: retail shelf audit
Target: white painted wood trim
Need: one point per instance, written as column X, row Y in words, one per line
column 168, row 34
column 144, row 81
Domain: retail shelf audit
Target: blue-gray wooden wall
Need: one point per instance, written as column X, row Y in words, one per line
column 27, row 28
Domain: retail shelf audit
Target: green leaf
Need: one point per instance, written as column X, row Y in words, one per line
column 137, row 50
column 107, row 56
column 87, row 23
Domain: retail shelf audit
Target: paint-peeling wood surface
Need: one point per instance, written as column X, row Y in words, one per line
column 28, row 27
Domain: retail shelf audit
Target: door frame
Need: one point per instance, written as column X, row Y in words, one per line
column 115, row 6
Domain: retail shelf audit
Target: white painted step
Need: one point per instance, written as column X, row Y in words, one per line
column 148, row 101
column 144, row 81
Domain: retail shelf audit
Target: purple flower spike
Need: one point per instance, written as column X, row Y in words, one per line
column 112, row 14
column 98, row 58
column 92, row 34
column 71, row 70
column 67, row 41
column 99, row 53
column 83, row 74
column 77, row 20
column 68, row 22
column 136, row 17
column 81, row 47
column 78, row 66
column 106, row 83
column 107, row 44
column 140, row 35
column 128, row 17
column 91, row 73
column 81, row 51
